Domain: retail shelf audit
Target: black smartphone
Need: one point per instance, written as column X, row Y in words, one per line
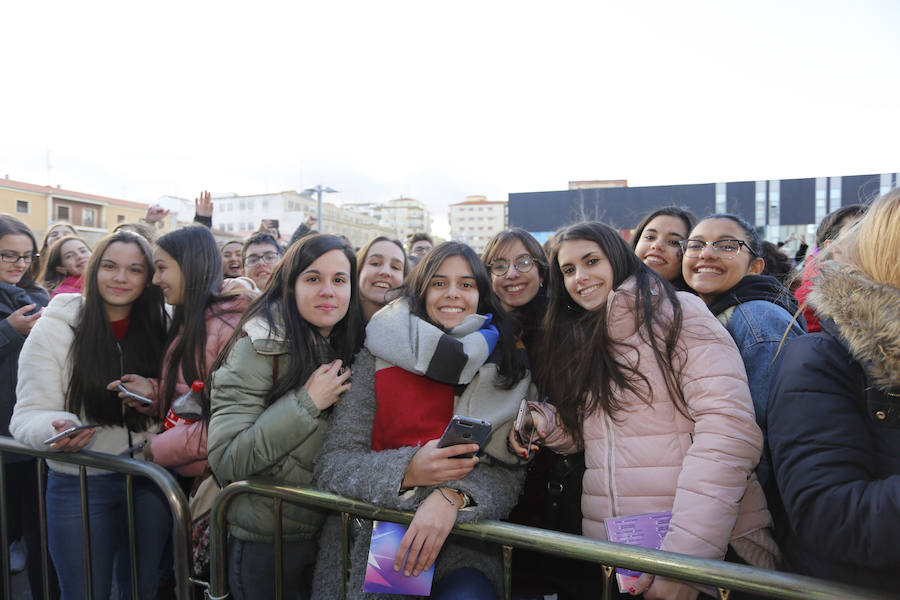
column 465, row 430
column 68, row 432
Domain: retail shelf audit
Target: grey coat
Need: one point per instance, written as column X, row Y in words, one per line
column 348, row 466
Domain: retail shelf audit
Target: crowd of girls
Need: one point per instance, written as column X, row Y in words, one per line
column 672, row 375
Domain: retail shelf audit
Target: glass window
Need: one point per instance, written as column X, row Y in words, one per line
column 89, row 217
column 63, row 213
column 22, row 206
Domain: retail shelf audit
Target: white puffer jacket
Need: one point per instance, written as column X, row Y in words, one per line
column 44, row 372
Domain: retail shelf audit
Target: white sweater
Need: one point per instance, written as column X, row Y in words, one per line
column 44, row 372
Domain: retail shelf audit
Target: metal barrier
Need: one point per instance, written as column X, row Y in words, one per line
column 719, row 574
column 181, row 516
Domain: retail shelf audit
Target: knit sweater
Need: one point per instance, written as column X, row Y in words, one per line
column 349, row 466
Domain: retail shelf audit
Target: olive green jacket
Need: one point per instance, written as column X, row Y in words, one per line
column 248, row 438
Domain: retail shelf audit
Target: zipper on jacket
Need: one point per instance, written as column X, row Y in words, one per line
column 610, row 461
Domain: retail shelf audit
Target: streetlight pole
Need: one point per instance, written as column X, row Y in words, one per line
column 319, row 190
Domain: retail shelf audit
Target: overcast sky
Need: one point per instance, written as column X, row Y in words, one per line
column 436, row 101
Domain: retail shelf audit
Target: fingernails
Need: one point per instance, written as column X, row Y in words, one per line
column 524, row 453
column 632, row 591
column 396, row 568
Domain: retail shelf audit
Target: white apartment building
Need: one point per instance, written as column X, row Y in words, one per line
column 404, row 215
column 476, row 220
column 241, row 215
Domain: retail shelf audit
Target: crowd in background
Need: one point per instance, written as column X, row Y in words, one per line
column 697, row 370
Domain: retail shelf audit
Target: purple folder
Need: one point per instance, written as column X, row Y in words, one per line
column 647, row 531
column 380, row 574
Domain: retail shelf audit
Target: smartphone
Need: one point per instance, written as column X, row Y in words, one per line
column 465, row 430
column 68, row 432
column 133, row 396
column 524, row 426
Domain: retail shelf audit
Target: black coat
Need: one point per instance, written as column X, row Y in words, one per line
column 12, row 298
column 834, row 436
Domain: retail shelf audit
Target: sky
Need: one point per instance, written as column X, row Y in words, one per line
column 437, row 101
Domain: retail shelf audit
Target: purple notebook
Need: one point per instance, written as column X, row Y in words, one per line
column 646, row 530
column 380, row 574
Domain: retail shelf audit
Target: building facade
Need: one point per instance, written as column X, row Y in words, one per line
column 476, row 220
column 404, row 215
column 241, row 216
column 40, row 206
column 776, row 207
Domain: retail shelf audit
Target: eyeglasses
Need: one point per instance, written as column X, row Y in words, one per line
column 726, row 249
column 269, row 258
column 14, row 257
column 522, row 263
column 421, row 250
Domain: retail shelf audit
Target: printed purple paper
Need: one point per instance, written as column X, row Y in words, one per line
column 647, row 531
column 380, row 574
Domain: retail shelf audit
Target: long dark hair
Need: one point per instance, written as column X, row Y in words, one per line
column 528, row 318
column 510, row 366
column 580, row 366
column 10, row 225
column 194, row 249
column 50, row 278
column 278, row 306
column 98, row 358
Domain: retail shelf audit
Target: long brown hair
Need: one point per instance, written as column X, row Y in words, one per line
column 50, row 278
column 581, row 368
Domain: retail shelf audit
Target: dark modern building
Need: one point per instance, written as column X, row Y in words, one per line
column 775, row 206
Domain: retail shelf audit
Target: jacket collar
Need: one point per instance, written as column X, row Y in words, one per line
column 265, row 339
column 866, row 315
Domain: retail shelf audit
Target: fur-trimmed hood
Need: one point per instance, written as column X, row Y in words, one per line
column 867, row 316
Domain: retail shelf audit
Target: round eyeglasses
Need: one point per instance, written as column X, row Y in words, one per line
column 269, row 258
column 726, row 249
column 522, row 263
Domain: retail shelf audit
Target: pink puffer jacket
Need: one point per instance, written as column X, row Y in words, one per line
column 654, row 459
column 184, row 446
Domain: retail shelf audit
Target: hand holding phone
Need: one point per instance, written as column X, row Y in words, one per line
column 67, row 430
column 133, row 396
column 465, row 430
column 525, row 436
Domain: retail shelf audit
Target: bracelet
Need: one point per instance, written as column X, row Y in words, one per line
column 441, row 490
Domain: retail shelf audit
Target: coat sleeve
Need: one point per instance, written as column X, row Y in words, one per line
column 43, row 379
column 347, row 465
column 182, row 448
column 823, row 456
column 727, row 442
column 247, row 437
column 10, row 339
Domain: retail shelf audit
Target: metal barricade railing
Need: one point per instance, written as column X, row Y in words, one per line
column 716, row 573
column 178, row 504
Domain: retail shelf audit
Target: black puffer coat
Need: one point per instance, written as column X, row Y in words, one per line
column 12, row 298
column 834, row 434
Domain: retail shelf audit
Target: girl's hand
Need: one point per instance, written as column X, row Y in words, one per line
column 22, row 323
column 136, row 385
column 73, row 443
column 425, row 537
column 538, row 425
column 327, row 383
column 431, row 465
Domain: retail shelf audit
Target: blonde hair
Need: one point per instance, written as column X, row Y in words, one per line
column 873, row 244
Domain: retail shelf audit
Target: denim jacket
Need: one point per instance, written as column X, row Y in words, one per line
column 758, row 328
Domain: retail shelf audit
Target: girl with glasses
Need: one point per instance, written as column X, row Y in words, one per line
column 655, row 394
column 722, row 264
column 21, row 301
column 79, row 345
